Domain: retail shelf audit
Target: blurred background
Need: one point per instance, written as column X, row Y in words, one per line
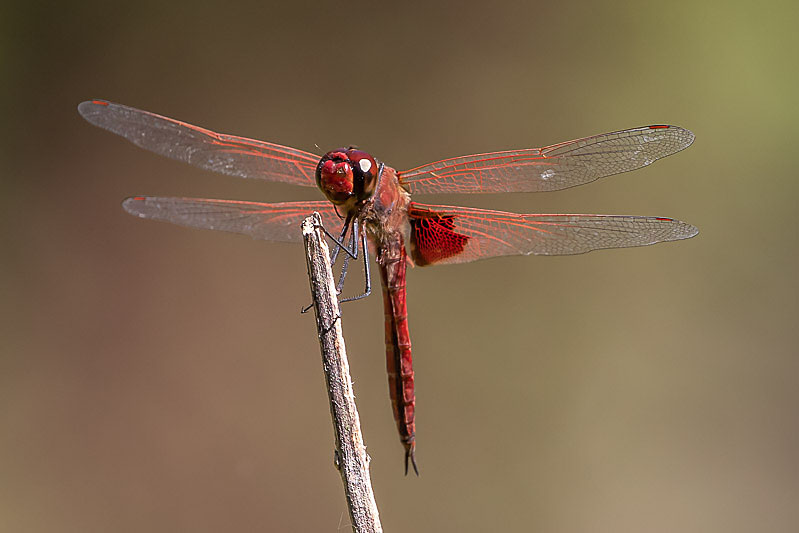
column 156, row 378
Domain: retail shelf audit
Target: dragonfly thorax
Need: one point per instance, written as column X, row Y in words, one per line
column 347, row 176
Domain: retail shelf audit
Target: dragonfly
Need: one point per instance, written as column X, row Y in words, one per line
column 372, row 203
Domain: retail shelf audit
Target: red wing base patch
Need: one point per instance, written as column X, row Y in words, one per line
column 433, row 236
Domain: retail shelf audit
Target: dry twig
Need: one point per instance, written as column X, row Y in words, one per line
column 350, row 454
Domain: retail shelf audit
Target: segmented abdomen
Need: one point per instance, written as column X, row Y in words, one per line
column 399, row 362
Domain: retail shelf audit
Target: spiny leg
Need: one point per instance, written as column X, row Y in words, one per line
column 345, row 266
column 351, row 252
column 340, row 241
column 367, row 275
column 339, row 245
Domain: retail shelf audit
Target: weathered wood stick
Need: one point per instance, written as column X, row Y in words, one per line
column 350, row 453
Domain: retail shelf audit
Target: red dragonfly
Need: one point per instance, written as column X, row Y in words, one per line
column 367, row 196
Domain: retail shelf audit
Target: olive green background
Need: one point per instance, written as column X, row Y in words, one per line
column 155, row 378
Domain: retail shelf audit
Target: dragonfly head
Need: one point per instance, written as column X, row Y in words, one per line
column 347, row 176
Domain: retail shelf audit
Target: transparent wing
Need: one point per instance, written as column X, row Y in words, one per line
column 444, row 234
column 271, row 222
column 552, row 168
column 218, row 152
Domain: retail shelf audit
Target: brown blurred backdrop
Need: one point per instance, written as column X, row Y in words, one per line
column 155, row 378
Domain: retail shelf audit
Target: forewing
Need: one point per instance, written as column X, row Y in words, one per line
column 552, row 168
column 218, row 152
column 446, row 234
column 271, row 222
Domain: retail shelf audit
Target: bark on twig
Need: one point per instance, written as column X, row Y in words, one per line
column 350, row 454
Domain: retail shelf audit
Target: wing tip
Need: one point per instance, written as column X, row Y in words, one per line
column 90, row 108
column 682, row 230
column 134, row 204
column 690, row 230
column 688, row 137
column 684, row 136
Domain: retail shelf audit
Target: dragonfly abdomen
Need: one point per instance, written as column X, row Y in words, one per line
column 399, row 361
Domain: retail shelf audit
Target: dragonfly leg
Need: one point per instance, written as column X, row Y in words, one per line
column 339, row 242
column 334, row 254
column 326, row 330
column 345, row 266
column 343, row 274
column 368, row 290
column 367, row 274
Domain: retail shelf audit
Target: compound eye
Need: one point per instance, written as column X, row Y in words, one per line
column 365, row 172
column 334, row 176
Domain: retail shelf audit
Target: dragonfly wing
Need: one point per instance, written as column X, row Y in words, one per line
column 445, row 234
column 272, row 222
column 552, row 168
column 218, row 152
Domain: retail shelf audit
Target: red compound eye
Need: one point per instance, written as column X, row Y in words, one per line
column 347, row 174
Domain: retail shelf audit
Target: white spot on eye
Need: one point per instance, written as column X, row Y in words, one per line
column 365, row 164
column 548, row 173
